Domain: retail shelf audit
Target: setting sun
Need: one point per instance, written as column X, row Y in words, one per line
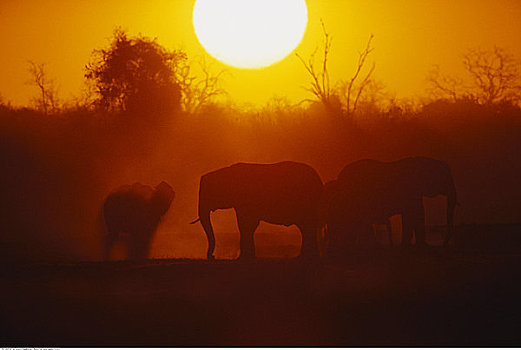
column 250, row 34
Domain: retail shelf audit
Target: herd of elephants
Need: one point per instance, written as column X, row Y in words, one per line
column 341, row 212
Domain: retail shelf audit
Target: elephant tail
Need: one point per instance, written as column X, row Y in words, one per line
column 195, row 221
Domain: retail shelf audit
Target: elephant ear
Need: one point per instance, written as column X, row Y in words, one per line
column 162, row 198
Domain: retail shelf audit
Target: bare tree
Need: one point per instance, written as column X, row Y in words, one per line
column 48, row 100
column 320, row 82
column 354, row 91
column 494, row 74
column 373, row 98
column 197, row 91
column 444, row 86
column 493, row 78
column 351, row 90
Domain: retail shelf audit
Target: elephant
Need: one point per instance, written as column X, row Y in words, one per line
column 285, row 193
column 383, row 189
column 137, row 211
column 331, row 190
column 353, row 212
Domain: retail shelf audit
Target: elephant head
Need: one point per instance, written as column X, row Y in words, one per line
column 161, row 198
column 135, row 210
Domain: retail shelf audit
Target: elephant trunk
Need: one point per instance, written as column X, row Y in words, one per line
column 204, row 216
column 451, row 207
column 106, row 237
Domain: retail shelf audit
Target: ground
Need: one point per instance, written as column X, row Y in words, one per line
column 385, row 297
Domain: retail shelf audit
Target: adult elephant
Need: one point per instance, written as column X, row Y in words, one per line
column 285, row 193
column 352, row 213
column 135, row 210
column 340, row 204
column 398, row 187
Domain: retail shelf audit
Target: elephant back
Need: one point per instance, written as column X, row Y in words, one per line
column 282, row 192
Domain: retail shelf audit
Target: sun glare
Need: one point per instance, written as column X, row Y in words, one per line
column 250, row 33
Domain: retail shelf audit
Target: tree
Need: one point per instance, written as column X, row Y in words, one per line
column 493, row 78
column 443, row 86
column 351, row 91
column 47, row 101
column 320, row 84
column 494, row 74
column 135, row 74
column 197, row 92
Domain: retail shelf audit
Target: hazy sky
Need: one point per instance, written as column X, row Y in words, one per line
column 410, row 36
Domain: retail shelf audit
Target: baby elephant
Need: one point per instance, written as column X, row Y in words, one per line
column 135, row 210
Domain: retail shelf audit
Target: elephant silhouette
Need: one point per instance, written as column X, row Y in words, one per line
column 334, row 189
column 352, row 214
column 369, row 192
column 284, row 193
column 135, row 210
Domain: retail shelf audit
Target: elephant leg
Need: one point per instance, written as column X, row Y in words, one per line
column 108, row 243
column 333, row 247
column 389, row 228
column 139, row 245
column 449, row 235
column 132, row 246
column 322, row 241
column 407, row 229
column 142, row 249
column 247, row 226
column 451, row 206
column 419, row 227
column 309, row 241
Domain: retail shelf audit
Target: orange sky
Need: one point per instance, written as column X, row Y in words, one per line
column 410, row 36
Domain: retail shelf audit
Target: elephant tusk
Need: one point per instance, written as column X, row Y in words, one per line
column 195, row 221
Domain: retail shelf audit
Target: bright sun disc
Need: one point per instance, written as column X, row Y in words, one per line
column 250, row 33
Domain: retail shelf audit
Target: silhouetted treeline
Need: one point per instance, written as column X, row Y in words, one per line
column 57, row 169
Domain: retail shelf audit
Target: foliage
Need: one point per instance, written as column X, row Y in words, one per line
column 135, row 73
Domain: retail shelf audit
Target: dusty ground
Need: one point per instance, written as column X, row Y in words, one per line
column 438, row 298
